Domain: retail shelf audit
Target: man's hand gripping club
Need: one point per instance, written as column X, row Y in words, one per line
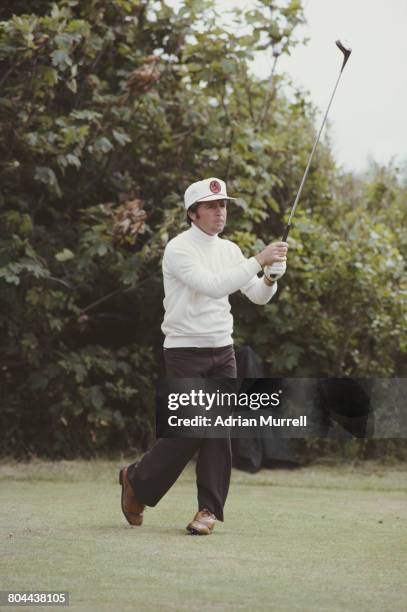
column 273, row 260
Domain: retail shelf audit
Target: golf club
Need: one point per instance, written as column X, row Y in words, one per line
column 346, row 50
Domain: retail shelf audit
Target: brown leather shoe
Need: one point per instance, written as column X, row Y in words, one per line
column 131, row 507
column 202, row 523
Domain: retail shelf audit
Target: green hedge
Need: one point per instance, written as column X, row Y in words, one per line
column 109, row 109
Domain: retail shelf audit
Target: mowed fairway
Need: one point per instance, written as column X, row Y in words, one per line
column 320, row 538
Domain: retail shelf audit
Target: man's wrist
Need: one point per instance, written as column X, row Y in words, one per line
column 267, row 281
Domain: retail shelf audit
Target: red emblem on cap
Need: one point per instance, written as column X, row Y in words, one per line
column 214, row 186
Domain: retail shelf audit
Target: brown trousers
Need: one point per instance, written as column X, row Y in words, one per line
column 160, row 467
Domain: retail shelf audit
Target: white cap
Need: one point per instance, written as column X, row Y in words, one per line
column 205, row 191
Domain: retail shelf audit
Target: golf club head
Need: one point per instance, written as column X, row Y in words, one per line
column 346, row 50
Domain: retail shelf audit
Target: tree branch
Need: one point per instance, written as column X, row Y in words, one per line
column 267, row 98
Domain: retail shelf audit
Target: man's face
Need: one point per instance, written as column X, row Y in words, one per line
column 210, row 217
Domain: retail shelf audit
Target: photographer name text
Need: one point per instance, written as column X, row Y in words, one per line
column 237, row 421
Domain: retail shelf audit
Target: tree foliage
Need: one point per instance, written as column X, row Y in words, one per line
column 109, row 109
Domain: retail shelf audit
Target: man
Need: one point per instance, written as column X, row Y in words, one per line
column 200, row 271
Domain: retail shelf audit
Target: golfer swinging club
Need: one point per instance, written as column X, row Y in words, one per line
column 200, row 271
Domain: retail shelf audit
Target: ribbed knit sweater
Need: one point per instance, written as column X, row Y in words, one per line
column 200, row 272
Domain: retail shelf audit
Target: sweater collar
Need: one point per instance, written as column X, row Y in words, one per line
column 200, row 236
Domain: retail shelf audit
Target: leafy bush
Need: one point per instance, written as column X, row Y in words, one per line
column 109, row 109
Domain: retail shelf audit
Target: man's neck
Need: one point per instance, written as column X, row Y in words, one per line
column 202, row 231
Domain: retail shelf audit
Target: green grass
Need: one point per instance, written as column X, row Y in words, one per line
column 317, row 539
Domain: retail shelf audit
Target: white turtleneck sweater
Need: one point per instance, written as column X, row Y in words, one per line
column 200, row 272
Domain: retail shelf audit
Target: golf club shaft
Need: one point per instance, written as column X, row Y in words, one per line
column 287, row 229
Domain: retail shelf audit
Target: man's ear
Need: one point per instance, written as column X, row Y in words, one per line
column 193, row 212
